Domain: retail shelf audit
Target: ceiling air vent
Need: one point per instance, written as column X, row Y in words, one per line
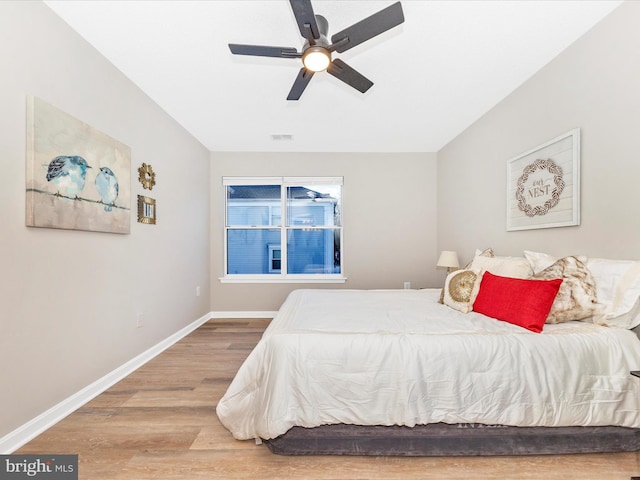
column 282, row 137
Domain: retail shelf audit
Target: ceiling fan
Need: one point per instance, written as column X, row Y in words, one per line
column 316, row 52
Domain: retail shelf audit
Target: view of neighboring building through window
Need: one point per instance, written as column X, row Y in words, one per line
column 283, row 226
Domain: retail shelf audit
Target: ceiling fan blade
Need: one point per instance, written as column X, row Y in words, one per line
column 302, row 80
column 348, row 75
column 362, row 31
column 303, row 11
column 264, row 51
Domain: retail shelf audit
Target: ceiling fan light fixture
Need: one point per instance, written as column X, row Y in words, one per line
column 316, row 58
column 317, row 50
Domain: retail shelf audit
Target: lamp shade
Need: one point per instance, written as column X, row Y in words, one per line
column 448, row 259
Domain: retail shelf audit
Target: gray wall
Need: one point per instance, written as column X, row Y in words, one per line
column 389, row 216
column 593, row 85
column 69, row 298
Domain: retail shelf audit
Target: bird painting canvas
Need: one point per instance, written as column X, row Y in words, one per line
column 77, row 177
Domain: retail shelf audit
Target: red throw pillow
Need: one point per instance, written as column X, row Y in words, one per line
column 522, row 302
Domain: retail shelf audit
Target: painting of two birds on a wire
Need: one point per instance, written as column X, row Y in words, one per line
column 77, row 177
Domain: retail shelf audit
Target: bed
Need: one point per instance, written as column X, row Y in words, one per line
column 397, row 372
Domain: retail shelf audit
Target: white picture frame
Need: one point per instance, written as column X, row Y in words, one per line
column 543, row 185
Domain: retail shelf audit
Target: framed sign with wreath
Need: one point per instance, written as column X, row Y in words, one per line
column 543, row 185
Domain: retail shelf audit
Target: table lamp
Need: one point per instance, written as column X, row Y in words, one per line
column 448, row 259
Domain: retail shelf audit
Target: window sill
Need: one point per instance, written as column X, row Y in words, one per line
column 283, row 279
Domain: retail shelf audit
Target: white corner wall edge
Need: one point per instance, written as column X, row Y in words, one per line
column 34, row 427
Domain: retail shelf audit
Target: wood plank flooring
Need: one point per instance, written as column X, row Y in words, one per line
column 160, row 423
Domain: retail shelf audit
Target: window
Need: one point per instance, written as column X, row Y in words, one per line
column 283, row 229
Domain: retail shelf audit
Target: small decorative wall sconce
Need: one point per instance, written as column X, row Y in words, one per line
column 147, row 176
column 146, row 210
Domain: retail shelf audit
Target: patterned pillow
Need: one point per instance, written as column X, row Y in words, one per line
column 576, row 299
column 487, row 252
column 460, row 289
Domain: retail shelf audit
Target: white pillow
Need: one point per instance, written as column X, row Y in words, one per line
column 539, row 261
column 515, row 267
column 628, row 320
column 618, row 288
column 487, row 252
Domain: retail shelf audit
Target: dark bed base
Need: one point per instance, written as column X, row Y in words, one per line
column 453, row 440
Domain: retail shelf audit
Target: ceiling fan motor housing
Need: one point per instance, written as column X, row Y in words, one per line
column 316, row 55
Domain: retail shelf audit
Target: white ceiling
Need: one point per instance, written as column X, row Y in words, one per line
column 434, row 75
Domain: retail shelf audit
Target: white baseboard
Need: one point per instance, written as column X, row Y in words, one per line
column 23, row 434
column 264, row 314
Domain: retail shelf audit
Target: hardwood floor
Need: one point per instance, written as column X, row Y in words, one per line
column 160, row 423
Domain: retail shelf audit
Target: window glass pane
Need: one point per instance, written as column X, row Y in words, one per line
column 255, row 219
column 275, row 258
column 276, row 215
column 253, row 205
column 313, row 205
column 313, row 250
column 248, row 250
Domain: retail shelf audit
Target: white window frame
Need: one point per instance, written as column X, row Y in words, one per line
column 282, row 277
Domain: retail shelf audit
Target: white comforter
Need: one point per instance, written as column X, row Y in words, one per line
column 397, row 357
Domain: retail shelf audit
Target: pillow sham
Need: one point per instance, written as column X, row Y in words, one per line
column 515, row 267
column 576, row 298
column 519, row 301
column 460, row 289
column 487, row 252
column 618, row 290
column 628, row 320
column 539, row 261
